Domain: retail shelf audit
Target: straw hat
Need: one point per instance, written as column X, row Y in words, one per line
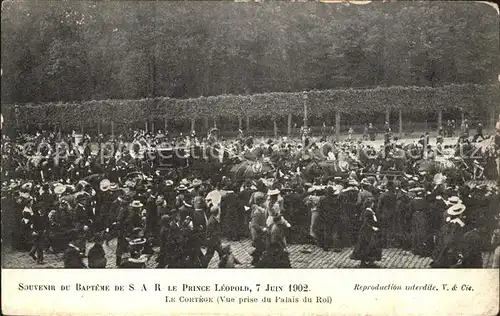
column 365, row 181
column 169, row 182
column 105, row 185
column 273, row 192
column 197, row 182
column 352, row 182
column 456, row 209
column 453, row 200
column 59, row 189
column 159, row 200
column 137, row 242
column 114, row 187
column 28, row 186
column 136, row 204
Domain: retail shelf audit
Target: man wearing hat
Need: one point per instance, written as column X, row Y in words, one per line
column 258, row 227
column 213, row 237
column 390, row 217
column 274, row 205
column 349, row 214
column 72, row 257
column 364, row 192
column 244, row 196
column 169, row 193
column 452, row 232
column 128, row 218
column 232, row 210
column 312, row 202
column 329, row 219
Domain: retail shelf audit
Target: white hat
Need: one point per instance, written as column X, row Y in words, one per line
column 456, row 209
column 59, row 189
column 454, row 200
column 105, row 185
column 27, row 186
column 137, row 204
column 273, row 192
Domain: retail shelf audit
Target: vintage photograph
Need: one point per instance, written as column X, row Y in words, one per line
column 267, row 134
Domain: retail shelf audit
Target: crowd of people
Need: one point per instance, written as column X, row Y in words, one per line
column 61, row 193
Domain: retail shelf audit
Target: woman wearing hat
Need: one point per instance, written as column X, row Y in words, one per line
column 451, row 235
column 368, row 248
column 129, row 217
column 349, row 214
column 258, row 227
column 276, row 254
column 421, row 236
column 96, row 256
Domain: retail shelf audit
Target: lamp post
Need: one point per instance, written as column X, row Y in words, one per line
column 304, row 96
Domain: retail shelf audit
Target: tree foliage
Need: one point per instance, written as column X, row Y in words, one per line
column 273, row 104
column 84, row 50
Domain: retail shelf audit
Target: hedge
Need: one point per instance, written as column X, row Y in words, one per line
column 467, row 97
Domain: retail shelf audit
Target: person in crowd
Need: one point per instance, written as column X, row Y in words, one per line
column 87, row 197
column 38, row 229
column 390, row 217
column 227, row 260
column 258, row 226
column 368, row 248
column 479, row 133
column 72, row 256
column 371, row 131
column 421, row 244
column 213, row 237
column 446, row 253
column 329, row 218
column 97, row 256
column 276, row 254
column 349, row 214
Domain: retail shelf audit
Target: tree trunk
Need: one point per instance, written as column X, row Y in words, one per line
column 305, row 113
column 206, row 124
column 113, row 129
column 400, row 119
column 146, row 126
column 462, row 115
column 492, row 119
column 193, row 121
column 275, row 129
column 81, row 128
column 388, row 116
column 248, row 123
column 440, row 118
column 99, row 128
column 337, row 125
column 240, row 123
column 153, row 127
column 289, row 130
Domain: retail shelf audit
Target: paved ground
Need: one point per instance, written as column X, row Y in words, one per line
column 392, row 258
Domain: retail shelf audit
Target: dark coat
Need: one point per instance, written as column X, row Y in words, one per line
column 421, row 234
column 274, row 257
column 96, row 257
column 72, row 258
column 368, row 246
column 214, row 232
column 329, row 210
column 231, row 214
column 470, row 250
column 447, row 250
